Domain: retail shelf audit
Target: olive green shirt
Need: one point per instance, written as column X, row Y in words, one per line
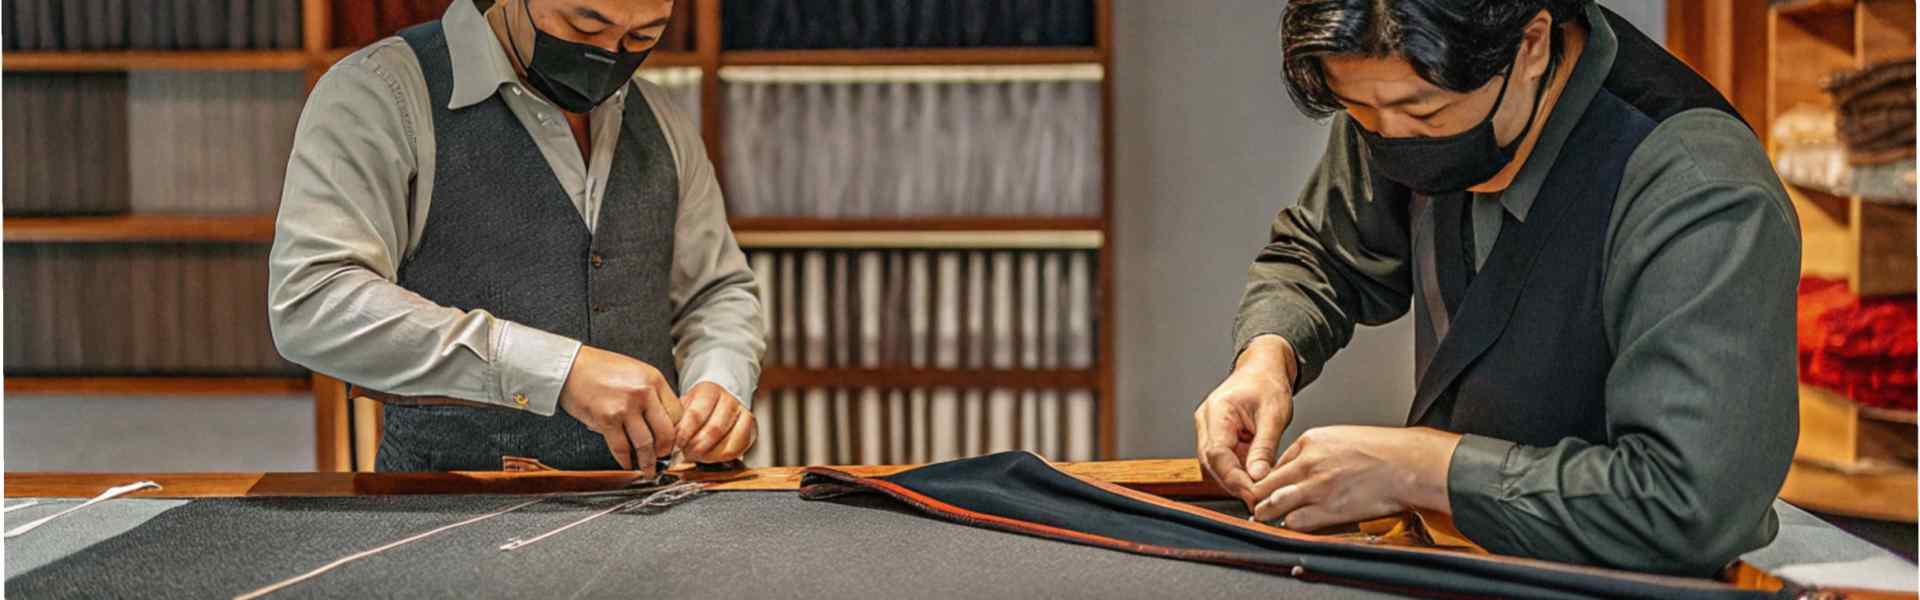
column 1702, row 258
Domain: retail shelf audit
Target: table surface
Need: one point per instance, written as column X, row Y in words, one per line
column 790, row 547
column 1166, row 477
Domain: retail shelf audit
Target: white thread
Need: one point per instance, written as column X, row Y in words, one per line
column 330, row 566
column 19, row 506
column 110, row 494
column 657, row 495
column 668, row 496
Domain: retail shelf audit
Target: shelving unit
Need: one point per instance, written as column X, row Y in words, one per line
column 347, row 428
column 1870, row 245
column 1851, row 460
column 1768, row 59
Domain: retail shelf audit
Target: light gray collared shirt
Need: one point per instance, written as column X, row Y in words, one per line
column 355, row 204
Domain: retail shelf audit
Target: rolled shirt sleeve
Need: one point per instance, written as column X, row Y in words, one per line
column 345, row 220
column 1699, row 297
column 1336, row 258
column 718, row 331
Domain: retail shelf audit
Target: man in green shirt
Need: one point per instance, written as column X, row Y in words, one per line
column 1601, row 264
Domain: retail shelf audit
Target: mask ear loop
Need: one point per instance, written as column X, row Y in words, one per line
column 1539, row 96
column 515, row 47
column 526, row 7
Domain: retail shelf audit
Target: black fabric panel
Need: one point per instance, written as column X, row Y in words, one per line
column 1654, row 82
column 1023, row 487
column 724, row 545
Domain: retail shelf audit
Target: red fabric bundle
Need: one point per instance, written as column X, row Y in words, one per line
column 1863, row 348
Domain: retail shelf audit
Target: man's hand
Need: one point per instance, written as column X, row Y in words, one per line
column 625, row 400
column 1344, row 474
column 1238, row 427
column 716, row 427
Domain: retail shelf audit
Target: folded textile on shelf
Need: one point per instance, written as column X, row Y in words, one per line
column 1861, row 347
column 1876, row 111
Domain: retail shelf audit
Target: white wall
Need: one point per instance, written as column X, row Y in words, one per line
column 159, row 433
column 1207, row 148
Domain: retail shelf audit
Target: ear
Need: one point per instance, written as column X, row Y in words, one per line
column 1536, row 44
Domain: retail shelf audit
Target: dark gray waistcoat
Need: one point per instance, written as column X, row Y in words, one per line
column 502, row 236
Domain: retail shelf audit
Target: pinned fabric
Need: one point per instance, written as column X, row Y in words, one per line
column 1020, row 493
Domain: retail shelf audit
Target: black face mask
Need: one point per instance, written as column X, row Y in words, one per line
column 1441, row 165
column 576, row 76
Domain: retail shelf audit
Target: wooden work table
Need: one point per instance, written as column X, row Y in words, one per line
column 1166, row 477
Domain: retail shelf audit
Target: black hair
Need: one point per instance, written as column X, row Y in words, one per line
column 1458, row 45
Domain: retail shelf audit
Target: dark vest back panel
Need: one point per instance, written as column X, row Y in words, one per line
column 1526, row 356
column 502, row 236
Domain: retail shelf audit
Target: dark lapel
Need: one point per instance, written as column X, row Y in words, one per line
column 1484, row 312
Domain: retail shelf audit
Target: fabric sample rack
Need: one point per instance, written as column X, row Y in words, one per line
column 1012, row 218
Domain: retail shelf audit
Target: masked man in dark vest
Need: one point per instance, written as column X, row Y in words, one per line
column 491, row 224
column 1601, row 265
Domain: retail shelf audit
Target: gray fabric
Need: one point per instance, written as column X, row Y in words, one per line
column 773, row 544
column 74, row 532
column 1812, row 552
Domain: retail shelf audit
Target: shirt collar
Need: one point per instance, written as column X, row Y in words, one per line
column 480, row 65
column 1589, row 74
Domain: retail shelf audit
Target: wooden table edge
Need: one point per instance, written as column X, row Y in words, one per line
column 1165, row 477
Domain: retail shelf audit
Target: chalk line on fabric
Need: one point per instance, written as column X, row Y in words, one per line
column 111, row 493
column 668, row 496
column 366, row 553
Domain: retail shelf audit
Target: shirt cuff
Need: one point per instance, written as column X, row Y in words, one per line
column 1299, row 333
column 734, row 372
column 533, row 367
column 1476, row 488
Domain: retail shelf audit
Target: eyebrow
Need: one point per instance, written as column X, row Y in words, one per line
column 586, row 12
column 589, row 13
column 1416, row 98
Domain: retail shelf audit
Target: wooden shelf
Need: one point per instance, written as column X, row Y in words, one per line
column 140, row 228
column 161, row 60
column 1838, row 434
column 1887, row 496
column 928, row 240
column 657, row 59
column 1869, row 244
column 774, row 378
column 757, row 224
column 913, row 56
column 934, row 232
column 157, row 386
column 1814, row 7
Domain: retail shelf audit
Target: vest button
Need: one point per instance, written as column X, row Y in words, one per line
column 597, row 261
column 599, row 308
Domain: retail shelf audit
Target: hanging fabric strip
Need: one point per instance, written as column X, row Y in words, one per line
column 110, row 494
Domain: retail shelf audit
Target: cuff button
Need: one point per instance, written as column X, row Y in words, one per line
column 520, row 400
